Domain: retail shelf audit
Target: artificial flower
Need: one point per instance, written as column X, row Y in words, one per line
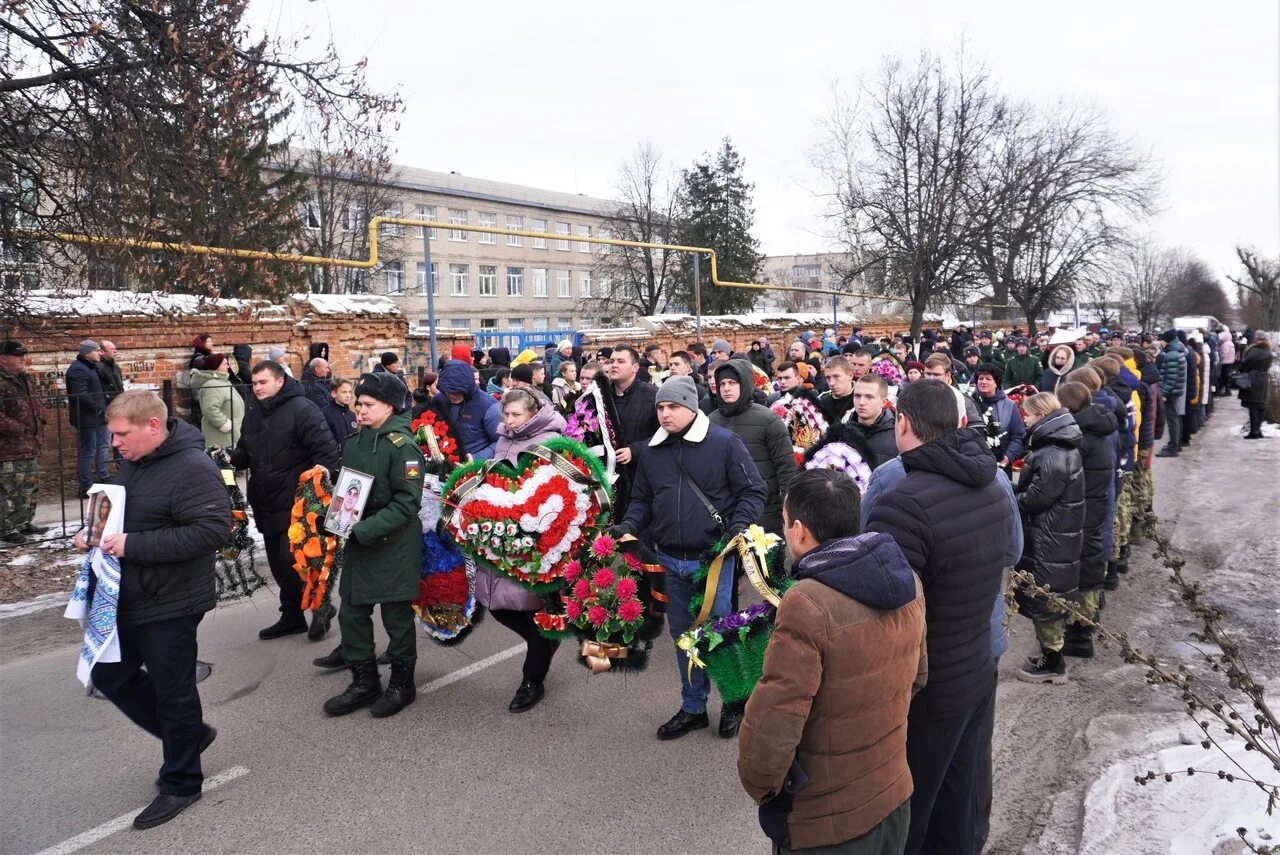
column 598, row 615
column 626, row 588
column 602, row 546
column 630, row 610
column 582, row 589
column 603, row 578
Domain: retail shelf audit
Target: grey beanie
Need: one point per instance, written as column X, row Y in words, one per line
column 88, row 346
column 721, row 345
column 275, row 353
column 679, row 390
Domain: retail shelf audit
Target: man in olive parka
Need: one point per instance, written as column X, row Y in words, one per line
column 383, row 562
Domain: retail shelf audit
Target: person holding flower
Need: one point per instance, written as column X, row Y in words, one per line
column 383, row 564
column 527, row 420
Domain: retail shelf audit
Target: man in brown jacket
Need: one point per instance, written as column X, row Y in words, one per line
column 822, row 748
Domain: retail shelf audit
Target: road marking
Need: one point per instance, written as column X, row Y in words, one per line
column 120, row 823
column 462, row 673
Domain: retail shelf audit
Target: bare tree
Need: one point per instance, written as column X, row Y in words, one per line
column 1259, row 289
column 637, row 281
column 1052, row 197
column 1195, row 290
column 1148, row 272
column 900, row 167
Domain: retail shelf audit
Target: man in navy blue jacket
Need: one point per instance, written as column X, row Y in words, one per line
column 686, row 450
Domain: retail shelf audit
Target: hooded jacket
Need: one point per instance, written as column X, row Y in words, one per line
column 1051, row 377
column 846, row 656
column 1256, row 363
column 221, row 407
column 1051, row 498
column 177, row 516
column 22, row 417
column 1097, row 452
column 663, row 503
column 766, row 438
column 477, row 417
column 383, row 556
column 281, row 438
column 953, row 521
column 1226, row 348
column 1172, row 363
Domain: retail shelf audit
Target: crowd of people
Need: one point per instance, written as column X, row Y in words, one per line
column 908, row 479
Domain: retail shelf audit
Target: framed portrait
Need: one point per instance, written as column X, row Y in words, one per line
column 350, row 495
column 99, row 512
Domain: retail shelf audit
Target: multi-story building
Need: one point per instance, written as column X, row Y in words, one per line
column 488, row 282
column 817, row 270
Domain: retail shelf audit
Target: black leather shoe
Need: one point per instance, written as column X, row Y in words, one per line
column 527, row 697
column 730, row 718
column 320, row 619
column 162, row 809
column 284, row 626
column 681, row 723
column 331, row 662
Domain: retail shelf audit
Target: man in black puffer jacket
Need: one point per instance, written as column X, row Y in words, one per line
column 282, row 437
column 955, row 524
column 177, row 514
column 763, row 433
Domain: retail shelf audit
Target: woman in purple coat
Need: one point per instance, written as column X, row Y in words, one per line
column 526, row 421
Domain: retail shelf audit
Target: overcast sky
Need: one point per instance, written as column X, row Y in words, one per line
column 557, row 96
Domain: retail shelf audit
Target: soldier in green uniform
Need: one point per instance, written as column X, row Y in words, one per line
column 383, row 562
column 22, row 421
column 1022, row 368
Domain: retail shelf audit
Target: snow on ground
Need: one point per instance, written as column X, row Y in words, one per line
column 1190, row 815
column 1268, row 430
column 22, row 560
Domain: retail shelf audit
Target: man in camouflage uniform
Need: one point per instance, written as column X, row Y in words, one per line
column 22, row 421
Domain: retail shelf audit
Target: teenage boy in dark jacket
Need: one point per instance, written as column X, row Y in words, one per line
column 176, row 516
column 686, row 450
column 282, row 437
column 950, row 493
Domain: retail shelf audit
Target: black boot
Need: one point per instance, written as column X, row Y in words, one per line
column 1045, row 668
column 730, row 718
column 1078, row 642
column 400, row 691
column 331, row 662
column 320, row 619
column 1122, row 562
column 1113, row 578
column 526, row 697
column 289, row 624
column 365, row 688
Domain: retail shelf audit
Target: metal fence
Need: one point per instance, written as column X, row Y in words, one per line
column 515, row 342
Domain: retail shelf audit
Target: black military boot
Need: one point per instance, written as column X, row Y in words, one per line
column 730, row 718
column 1078, row 642
column 1113, row 577
column 1122, row 562
column 365, row 688
column 1045, row 668
column 332, row 661
column 400, row 691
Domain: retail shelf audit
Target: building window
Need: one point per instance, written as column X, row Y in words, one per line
column 563, row 288
column 488, row 280
column 459, row 324
column 458, row 280
column 393, row 229
column 515, row 281
column 562, row 229
column 603, row 247
column 484, row 219
column 351, row 216
column 489, row 324
column 539, row 226
column 426, row 212
column 458, row 217
column 393, row 277
column 540, row 324
column 515, row 324
column 565, row 323
column 515, row 224
column 539, row 281
column 311, row 210
column 435, row 279
column 584, row 284
column 584, row 231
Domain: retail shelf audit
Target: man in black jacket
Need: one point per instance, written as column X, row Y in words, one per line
column 874, row 420
column 282, row 437
column 112, row 379
column 687, row 450
column 630, row 406
column 86, row 408
column 176, row 516
column 952, row 518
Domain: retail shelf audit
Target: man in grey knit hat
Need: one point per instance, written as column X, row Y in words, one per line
column 87, row 409
column 686, row 521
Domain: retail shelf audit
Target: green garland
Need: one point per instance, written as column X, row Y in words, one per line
column 735, row 668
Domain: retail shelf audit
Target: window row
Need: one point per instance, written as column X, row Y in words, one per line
column 513, row 324
column 487, row 282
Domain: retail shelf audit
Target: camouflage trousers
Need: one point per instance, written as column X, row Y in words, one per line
column 1143, row 490
column 19, row 482
column 1087, row 604
column 1124, row 514
column 1051, row 634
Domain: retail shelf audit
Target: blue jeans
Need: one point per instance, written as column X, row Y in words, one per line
column 91, row 467
column 680, row 589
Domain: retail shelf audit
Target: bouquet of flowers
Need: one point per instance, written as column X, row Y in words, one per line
column 888, row 367
column 760, row 380
column 527, row 521
column 844, row 449
column 589, row 422
column 1018, row 394
column 804, row 419
column 441, row 449
column 313, row 548
column 612, row 602
column 731, row 648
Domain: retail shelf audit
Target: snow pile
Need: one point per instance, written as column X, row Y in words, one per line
column 22, row 560
column 1189, row 815
column 807, row 320
column 348, row 304
column 90, row 303
column 1269, row 430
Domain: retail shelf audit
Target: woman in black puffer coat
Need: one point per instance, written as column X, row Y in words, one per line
column 1050, row 494
column 1255, row 364
column 1098, row 453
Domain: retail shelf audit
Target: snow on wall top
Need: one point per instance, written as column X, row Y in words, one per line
column 91, row 303
column 763, row 319
column 348, row 304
